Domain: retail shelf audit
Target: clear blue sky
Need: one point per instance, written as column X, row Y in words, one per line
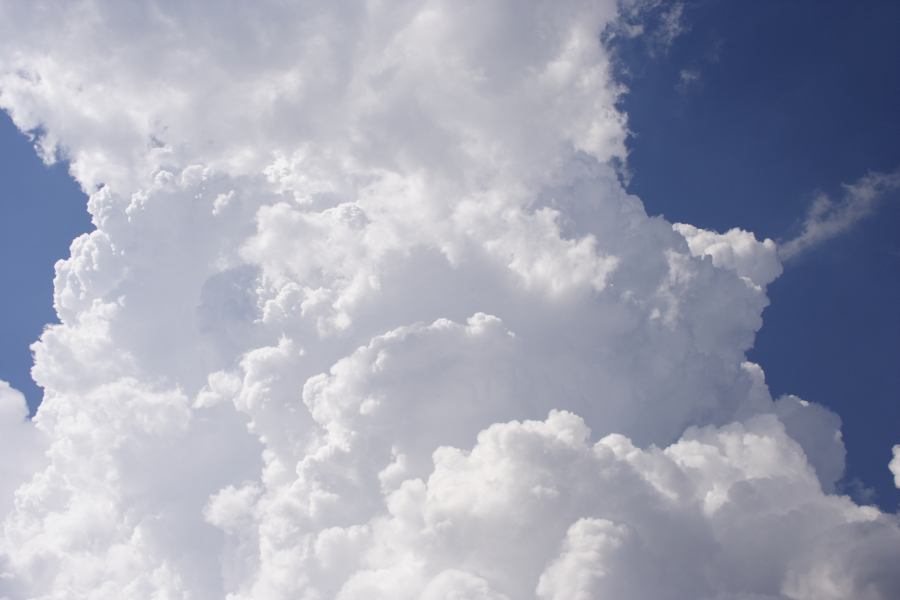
column 790, row 99
column 41, row 210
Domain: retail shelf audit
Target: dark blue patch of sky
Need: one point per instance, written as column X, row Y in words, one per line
column 750, row 113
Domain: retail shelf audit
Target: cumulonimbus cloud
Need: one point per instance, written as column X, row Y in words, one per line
column 368, row 314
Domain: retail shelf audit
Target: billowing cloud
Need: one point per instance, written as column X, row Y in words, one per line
column 828, row 218
column 20, row 445
column 735, row 249
column 368, row 314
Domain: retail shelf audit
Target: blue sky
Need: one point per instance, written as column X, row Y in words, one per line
column 740, row 122
column 42, row 209
column 790, row 99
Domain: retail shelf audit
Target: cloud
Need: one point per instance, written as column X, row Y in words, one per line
column 687, row 78
column 368, row 314
column 21, row 444
column 895, row 465
column 829, row 218
column 656, row 22
column 735, row 249
column 672, row 25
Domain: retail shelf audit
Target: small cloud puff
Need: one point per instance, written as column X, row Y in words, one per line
column 894, row 465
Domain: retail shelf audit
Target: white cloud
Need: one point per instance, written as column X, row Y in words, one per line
column 735, row 249
column 658, row 22
column 829, row 218
column 687, row 78
column 20, row 444
column 895, row 465
column 368, row 314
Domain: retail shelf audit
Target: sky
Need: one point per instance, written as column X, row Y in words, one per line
column 43, row 210
column 426, row 300
column 750, row 142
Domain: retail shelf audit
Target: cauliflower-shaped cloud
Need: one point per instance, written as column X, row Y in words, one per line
column 368, row 314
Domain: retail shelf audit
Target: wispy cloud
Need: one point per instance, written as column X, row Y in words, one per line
column 672, row 25
column 687, row 78
column 828, row 218
column 657, row 22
